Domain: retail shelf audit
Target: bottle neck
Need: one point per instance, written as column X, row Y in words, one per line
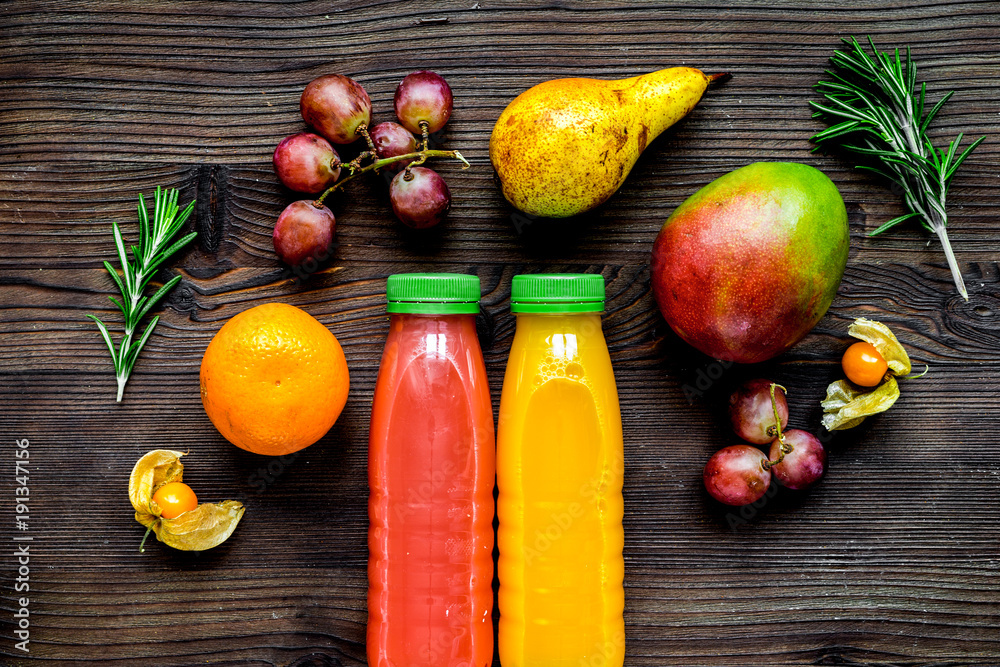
column 578, row 317
column 584, row 325
column 425, row 317
column 420, row 323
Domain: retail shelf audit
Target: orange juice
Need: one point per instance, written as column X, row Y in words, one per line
column 559, row 472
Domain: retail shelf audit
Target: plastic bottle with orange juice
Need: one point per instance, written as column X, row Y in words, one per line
column 560, row 465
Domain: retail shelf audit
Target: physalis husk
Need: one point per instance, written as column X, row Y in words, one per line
column 204, row 527
column 846, row 405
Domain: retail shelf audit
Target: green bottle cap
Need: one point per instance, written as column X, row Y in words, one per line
column 433, row 293
column 557, row 293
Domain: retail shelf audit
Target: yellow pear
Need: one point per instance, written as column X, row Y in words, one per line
column 565, row 146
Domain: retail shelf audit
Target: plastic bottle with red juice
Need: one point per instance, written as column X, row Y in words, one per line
column 431, row 470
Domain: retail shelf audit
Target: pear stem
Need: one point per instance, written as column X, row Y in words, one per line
column 721, row 77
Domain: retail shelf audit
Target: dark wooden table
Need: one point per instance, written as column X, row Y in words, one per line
column 893, row 560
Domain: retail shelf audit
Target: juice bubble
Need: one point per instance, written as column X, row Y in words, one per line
column 574, row 370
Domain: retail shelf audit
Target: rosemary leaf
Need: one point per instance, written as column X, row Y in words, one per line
column 893, row 223
column 876, row 109
column 156, row 245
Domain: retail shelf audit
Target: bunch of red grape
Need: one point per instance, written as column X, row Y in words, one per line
column 741, row 474
column 340, row 112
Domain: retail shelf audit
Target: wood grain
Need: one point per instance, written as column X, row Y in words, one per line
column 893, row 560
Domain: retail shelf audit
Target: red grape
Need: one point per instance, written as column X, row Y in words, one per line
column 306, row 162
column 392, row 139
column 804, row 465
column 736, row 475
column 422, row 201
column 336, row 106
column 423, row 96
column 751, row 413
column 304, row 231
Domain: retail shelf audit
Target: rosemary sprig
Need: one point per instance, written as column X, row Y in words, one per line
column 156, row 245
column 876, row 110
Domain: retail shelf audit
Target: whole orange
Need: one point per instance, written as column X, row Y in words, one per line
column 273, row 379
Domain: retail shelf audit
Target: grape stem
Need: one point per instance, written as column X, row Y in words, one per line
column 355, row 164
column 363, row 131
column 384, row 162
column 785, row 447
column 425, row 139
column 425, row 133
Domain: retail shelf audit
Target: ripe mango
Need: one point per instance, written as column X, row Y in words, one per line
column 747, row 265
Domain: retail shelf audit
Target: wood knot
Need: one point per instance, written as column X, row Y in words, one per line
column 976, row 322
column 182, row 298
column 211, row 206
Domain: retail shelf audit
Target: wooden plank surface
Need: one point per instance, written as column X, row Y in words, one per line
column 893, row 560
